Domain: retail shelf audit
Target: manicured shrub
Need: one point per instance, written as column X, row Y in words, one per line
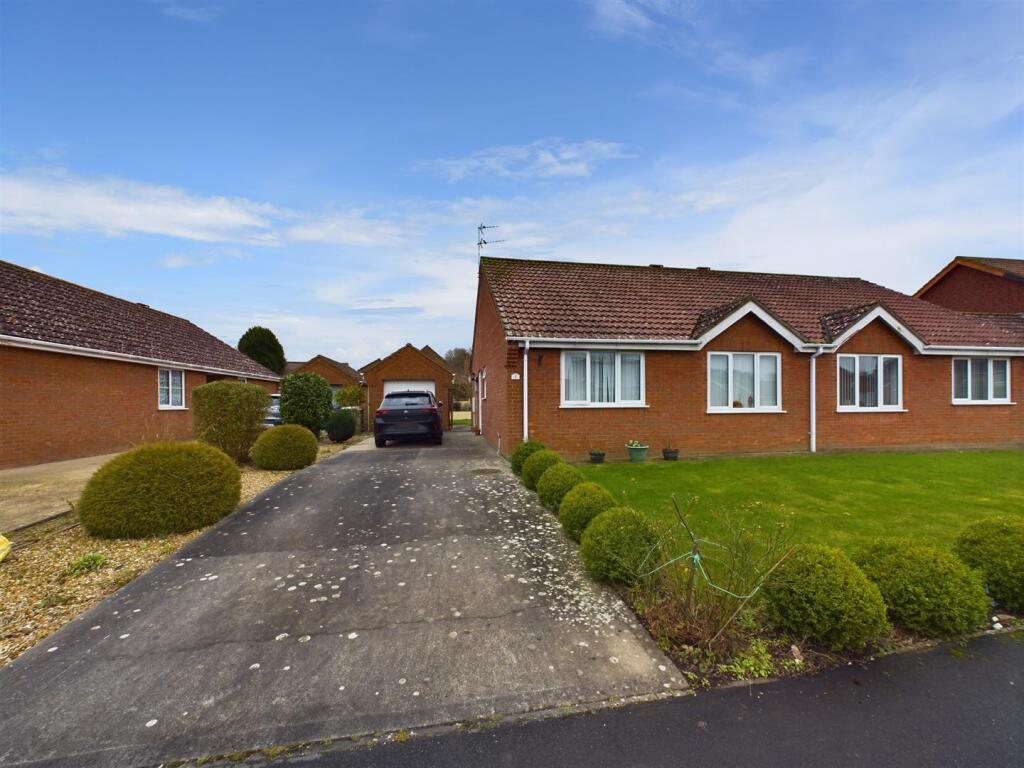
column 616, row 543
column 580, row 505
column 160, row 488
column 925, row 589
column 341, row 425
column 536, row 465
column 352, row 395
column 995, row 547
column 260, row 344
column 522, row 452
column 306, row 400
column 229, row 415
column 287, row 446
column 557, row 480
column 819, row 594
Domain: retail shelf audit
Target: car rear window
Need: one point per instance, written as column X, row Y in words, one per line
column 406, row 401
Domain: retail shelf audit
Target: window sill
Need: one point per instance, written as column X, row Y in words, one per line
column 603, row 405
column 172, row 408
column 745, row 410
column 983, row 402
column 872, row 410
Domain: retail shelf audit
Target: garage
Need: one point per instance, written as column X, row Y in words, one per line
column 410, row 385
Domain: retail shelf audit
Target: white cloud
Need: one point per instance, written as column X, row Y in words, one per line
column 349, row 228
column 199, row 13
column 542, row 159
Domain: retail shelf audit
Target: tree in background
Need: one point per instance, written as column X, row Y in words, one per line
column 352, row 395
column 458, row 360
column 260, row 344
column 306, row 400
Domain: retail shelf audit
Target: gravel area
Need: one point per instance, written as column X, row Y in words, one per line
column 45, row 583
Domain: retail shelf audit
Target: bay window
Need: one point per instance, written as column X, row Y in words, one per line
column 870, row 382
column 602, row 378
column 170, row 389
column 981, row 380
column 744, row 382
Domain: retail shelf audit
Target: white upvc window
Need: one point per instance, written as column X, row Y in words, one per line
column 869, row 382
column 602, row 379
column 170, row 389
column 981, row 380
column 744, row 382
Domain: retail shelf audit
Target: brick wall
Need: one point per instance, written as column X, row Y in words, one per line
column 55, row 406
column 971, row 290
column 334, row 376
column 492, row 354
column 408, row 363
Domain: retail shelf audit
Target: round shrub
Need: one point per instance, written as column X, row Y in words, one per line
column 306, row 399
column 229, row 415
column 341, row 425
column 536, row 465
column 616, row 543
column 818, row 593
column 158, row 489
column 581, row 505
column 261, row 345
column 995, row 547
column 557, row 480
column 926, row 589
column 522, row 452
column 287, row 446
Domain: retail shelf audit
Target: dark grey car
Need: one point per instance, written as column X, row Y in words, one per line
column 409, row 414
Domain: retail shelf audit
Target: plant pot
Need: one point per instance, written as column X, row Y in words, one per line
column 637, row 452
column 670, row 454
column 597, row 457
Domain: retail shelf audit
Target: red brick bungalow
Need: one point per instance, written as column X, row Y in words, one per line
column 408, row 368
column 970, row 284
column 337, row 374
column 84, row 373
column 714, row 362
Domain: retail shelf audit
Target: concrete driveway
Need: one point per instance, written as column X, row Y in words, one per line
column 378, row 590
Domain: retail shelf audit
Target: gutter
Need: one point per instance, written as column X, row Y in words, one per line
column 68, row 349
column 526, row 391
column 813, row 400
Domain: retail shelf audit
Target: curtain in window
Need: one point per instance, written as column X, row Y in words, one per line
column 719, row 380
column 164, row 387
column 999, row 388
column 868, row 380
column 979, row 379
column 890, row 381
column 576, row 376
column 177, row 388
column 743, row 381
column 602, row 377
column 847, row 381
column 630, row 375
column 768, row 373
column 960, row 376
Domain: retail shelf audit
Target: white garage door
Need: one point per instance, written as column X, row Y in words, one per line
column 402, row 386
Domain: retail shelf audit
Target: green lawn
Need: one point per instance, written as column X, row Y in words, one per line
column 837, row 499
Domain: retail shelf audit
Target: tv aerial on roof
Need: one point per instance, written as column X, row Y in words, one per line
column 480, row 241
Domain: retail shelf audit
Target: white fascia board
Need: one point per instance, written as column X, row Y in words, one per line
column 68, row 349
column 627, row 344
column 752, row 308
column 879, row 313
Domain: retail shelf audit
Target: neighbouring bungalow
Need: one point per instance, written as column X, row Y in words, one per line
column 84, row 373
column 589, row 356
column 409, row 368
column 969, row 284
column 337, row 374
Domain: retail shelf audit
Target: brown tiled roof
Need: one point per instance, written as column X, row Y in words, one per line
column 567, row 300
column 433, row 355
column 1009, row 266
column 345, row 368
column 43, row 308
column 293, row 365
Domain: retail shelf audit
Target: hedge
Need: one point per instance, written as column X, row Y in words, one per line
column 287, row 446
column 341, row 425
column 582, row 504
column 616, row 543
column 995, row 546
column 522, row 452
column 229, row 415
column 306, row 399
column 536, row 465
column 557, row 480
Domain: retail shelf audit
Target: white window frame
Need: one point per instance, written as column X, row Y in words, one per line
column 880, row 408
column 990, row 400
column 758, row 408
column 170, row 389
column 619, row 402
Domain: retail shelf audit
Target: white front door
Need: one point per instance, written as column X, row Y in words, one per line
column 399, row 385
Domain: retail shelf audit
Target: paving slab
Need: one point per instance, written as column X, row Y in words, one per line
column 381, row 589
column 29, row 495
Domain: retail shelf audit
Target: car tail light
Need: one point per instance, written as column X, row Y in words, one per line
column 431, row 409
column 381, row 411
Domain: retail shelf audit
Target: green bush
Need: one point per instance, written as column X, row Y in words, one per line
column 926, row 589
column 616, row 544
column 522, row 452
column 157, row 489
column 341, row 425
column 229, row 415
column 260, row 344
column 352, row 395
column 995, row 547
column 818, row 593
column 536, row 465
column 581, row 505
column 557, row 480
column 306, row 399
column 287, row 446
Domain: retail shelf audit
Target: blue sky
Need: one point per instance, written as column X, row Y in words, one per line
column 320, row 168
